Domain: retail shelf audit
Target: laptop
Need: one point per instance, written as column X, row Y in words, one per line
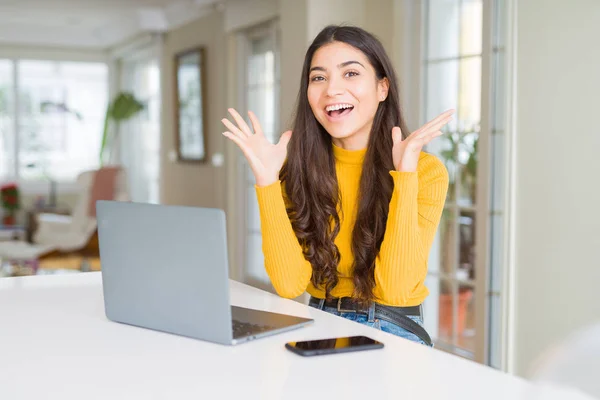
column 165, row 268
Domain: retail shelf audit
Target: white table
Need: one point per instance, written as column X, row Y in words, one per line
column 56, row 343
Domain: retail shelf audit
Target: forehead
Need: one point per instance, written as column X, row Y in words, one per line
column 332, row 54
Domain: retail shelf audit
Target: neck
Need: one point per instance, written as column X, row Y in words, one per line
column 359, row 140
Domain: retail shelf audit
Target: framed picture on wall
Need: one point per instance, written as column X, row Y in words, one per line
column 190, row 105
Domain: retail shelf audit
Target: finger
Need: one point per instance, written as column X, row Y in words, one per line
column 434, row 128
column 234, row 129
column 396, row 134
column 234, row 138
column 432, row 136
column 285, row 139
column 417, row 143
column 441, row 117
column 255, row 123
column 446, row 114
column 429, row 136
column 437, row 126
column 240, row 121
column 241, row 144
column 431, row 125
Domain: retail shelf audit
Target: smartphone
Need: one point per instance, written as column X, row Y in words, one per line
column 334, row 345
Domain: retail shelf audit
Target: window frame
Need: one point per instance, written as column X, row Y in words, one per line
column 492, row 15
column 14, row 54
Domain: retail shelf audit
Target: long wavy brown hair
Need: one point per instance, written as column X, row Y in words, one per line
column 310, row 178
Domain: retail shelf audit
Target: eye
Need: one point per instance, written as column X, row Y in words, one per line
column 350, row 74
column 317, row 78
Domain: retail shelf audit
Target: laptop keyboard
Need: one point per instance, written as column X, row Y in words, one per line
column 241, row 329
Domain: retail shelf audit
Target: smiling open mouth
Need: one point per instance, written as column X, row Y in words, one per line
column 340, row 110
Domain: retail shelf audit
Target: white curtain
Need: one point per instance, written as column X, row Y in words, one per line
column 139, row 138
column 7, row 151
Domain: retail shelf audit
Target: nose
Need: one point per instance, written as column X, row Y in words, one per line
column 335, row 87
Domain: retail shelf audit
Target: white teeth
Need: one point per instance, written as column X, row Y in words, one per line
column 338, row 107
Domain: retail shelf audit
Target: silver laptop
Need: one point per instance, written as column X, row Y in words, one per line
column 165, row 268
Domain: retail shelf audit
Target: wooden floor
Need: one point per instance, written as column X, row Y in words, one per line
column 69, row 262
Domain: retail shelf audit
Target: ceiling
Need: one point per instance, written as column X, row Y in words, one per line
column 92, row 23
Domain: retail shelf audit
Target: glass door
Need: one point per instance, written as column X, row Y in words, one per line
column 260, row 85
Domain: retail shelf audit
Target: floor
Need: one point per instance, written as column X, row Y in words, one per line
column 69, row 262
column 53, row 265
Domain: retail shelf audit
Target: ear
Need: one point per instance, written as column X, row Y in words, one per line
column 382, row 89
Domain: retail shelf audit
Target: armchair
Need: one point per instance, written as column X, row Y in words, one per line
column 60, row 234
column 71, row 233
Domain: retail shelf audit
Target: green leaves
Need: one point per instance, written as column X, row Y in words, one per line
column 49, row 106
column 123, row 107
column 3, row 100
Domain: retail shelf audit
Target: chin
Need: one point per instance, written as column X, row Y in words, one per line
column 337, row 130
column 342, row 131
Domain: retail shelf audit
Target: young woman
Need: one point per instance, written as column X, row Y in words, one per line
column 349, row 203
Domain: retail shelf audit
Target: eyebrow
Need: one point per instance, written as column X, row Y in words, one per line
column 342, row 65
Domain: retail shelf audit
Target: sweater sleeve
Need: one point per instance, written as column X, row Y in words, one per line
column 289, row 271
column 414, row 215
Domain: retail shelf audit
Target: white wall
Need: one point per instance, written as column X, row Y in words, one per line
column 322, row 13
column 294, row 43
column 240, row 14
column 558, row 173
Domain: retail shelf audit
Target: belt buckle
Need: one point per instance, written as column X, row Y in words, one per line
column 340, row 309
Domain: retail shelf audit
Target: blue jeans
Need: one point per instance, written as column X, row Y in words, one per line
column 379, row 324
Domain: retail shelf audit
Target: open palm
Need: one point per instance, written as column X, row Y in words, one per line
column 405, row 153
column 265, row 159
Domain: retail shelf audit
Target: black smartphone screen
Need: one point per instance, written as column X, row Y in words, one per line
column 334, row 345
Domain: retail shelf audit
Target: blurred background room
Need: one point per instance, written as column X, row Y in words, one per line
column 123, row 99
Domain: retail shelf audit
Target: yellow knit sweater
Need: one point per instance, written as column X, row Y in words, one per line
column 401, row 265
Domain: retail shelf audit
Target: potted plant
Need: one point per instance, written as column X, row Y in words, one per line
column 460, row 158
column 9, row 195
column 124, row 106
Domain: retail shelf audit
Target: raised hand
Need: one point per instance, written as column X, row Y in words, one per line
column 265, row 158
column 406, row 152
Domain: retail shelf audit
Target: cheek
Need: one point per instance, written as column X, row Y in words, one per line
column 313, row 95
column 366, row 94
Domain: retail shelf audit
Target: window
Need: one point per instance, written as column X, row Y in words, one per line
column 140, row 137
column 260, row 82
column 462, row 71
column 7, row 90
column 453, row 75
column 497, row 293
column 53, row 129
